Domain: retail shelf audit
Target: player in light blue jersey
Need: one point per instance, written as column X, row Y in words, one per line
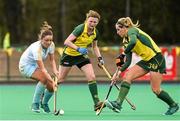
column 31, row 66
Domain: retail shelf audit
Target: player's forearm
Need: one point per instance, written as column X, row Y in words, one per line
column 43, row 70
column 70, row 44
column 54, row 67
column 46, row 74
column 53, row 63
column 127, row 62
column 96, row 51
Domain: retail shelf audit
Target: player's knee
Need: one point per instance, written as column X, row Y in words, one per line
column 127, row 78
column 126, row 81
column 43, row 81
column 91, row 77
column 50, row 87
column 156, row 91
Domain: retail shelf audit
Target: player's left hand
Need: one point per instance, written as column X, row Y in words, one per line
column 120, row 60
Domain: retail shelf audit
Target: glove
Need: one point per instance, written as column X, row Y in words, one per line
column 82, row 50
column 120, row 60
column 100, row 61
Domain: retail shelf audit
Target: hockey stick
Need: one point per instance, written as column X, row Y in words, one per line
column 109, row 76
column 100, row 110
column 56, row 112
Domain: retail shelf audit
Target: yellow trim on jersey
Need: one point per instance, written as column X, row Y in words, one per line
column 81, row 41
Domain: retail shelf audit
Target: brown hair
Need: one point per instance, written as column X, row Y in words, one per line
column 45, row 30
column 92, row 13
column 127, row 22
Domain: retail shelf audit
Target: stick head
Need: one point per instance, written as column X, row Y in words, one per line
column 133, row 107
column 56, row 112
column 98, row 112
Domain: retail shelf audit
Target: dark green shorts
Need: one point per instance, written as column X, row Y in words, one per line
column 156, row 64
column 79, row 61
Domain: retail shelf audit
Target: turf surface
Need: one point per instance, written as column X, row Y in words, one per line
column 75, row 99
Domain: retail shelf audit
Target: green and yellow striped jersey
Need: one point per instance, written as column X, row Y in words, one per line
column 140, row 43
column 82, row 40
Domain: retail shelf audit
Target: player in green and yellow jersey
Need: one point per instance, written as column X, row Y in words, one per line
column 75, row 53
column 138, row 42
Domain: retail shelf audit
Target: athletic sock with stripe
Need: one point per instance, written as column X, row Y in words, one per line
column 125, row 86
column 164, row 96
column 93, row 90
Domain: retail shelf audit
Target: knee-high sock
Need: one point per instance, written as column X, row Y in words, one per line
column 38, row 92
column 93, row 90
column 164, row 96
column 47, row 96
column 125, row 86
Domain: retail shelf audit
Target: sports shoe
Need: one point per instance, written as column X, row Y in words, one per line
column 45, row 108
column 172, row 109
column 98, row 106
column 35, row 107
column 114, row 105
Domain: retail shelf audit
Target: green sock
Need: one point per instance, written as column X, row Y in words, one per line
column 93, row 90
column 125, row 86
column 164, row 96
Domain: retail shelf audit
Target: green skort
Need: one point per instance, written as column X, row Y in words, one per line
column 79, row 61
column 156, row 64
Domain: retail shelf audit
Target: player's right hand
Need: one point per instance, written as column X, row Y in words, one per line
column 100, row 62
column 115, row 77
column 82, row 50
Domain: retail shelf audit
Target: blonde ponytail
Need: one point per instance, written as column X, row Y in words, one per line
column 127, row 22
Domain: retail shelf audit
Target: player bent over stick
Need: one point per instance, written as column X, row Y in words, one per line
column 31, row 65
column 119, row 62
column 75, row 53
column 153, row 62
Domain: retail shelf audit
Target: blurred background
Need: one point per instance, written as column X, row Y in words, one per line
column 20, row 22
